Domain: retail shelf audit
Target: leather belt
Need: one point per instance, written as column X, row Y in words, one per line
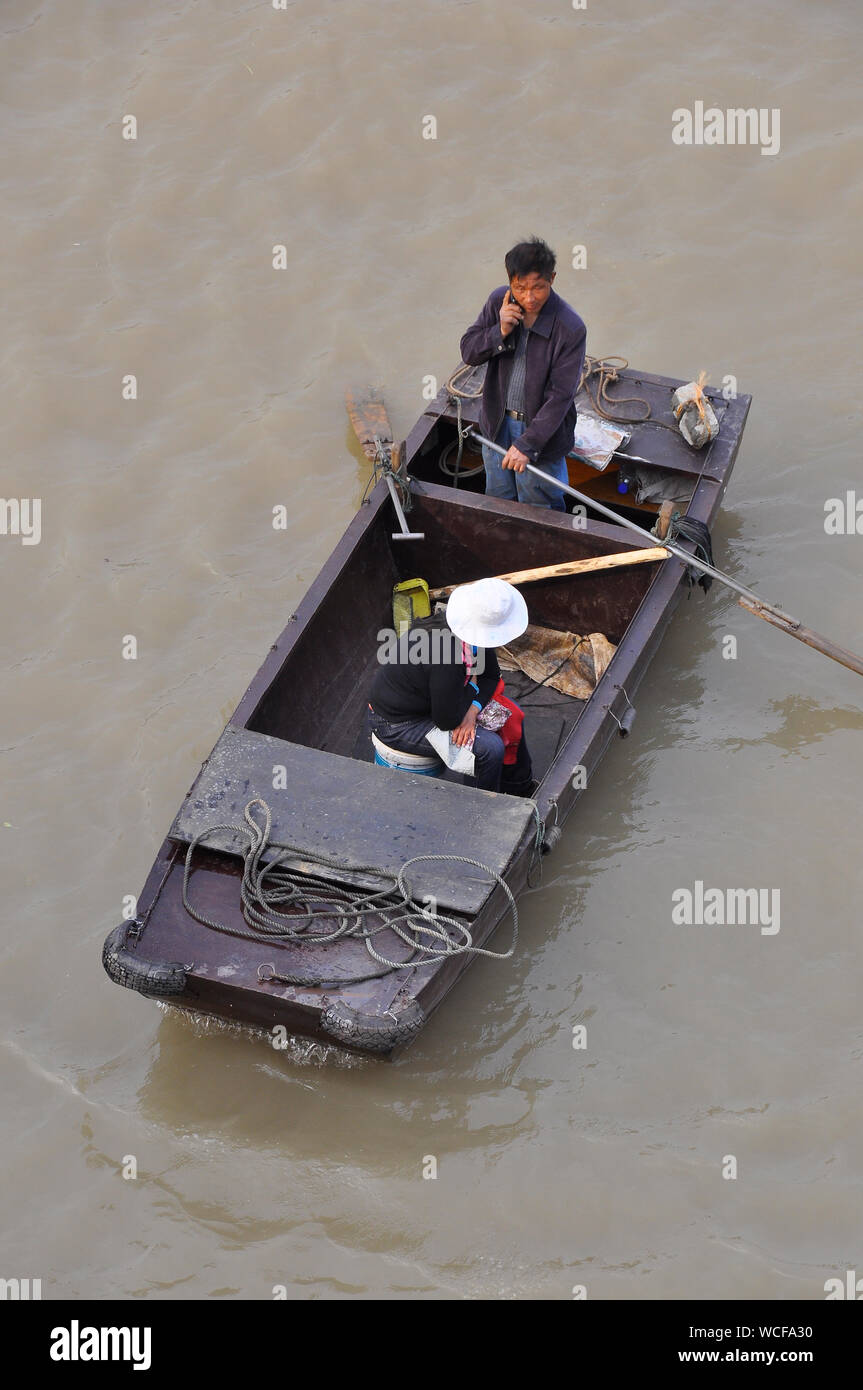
column 515, row 414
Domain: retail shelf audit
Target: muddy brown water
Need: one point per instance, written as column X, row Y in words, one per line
column 557, row 1166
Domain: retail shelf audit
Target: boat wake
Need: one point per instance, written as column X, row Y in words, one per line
column 304, row 1051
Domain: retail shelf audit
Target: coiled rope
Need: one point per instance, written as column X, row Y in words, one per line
column 682, row 527
column 282, row 905
column 598, row 374
column 607, row 371
column 456, row 394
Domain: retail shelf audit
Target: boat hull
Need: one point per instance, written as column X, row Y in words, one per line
column 226, row 973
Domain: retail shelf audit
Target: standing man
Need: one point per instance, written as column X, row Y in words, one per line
column 534, row 345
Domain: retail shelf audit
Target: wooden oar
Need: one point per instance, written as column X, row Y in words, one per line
column 748, row 600
column 599, row 562
column 368, row 415
column 803, row 634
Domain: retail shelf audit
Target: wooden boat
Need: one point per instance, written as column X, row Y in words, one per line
column 297, row 740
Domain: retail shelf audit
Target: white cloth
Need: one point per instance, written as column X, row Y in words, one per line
column 457, row 759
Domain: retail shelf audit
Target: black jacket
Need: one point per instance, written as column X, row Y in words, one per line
column 422, row 676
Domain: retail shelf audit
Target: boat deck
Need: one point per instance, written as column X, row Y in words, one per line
column 315, row 800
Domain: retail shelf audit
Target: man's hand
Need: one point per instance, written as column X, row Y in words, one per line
column 463, row 736
column 514, row 459
column 511, row 315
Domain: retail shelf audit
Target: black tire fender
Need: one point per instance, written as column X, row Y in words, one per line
column 551, row 838
column 372, row 1032
column 156, row 979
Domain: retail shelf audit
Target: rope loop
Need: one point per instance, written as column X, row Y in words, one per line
column 607, row 371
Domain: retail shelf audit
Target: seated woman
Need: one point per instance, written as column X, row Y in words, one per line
column 443, row 672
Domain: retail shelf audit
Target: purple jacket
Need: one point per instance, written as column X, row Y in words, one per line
column 555, row 356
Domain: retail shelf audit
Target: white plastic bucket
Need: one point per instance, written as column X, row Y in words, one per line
column 406, row 762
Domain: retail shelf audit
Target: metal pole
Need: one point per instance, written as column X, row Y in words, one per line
column 639, row 530
column 404, row 534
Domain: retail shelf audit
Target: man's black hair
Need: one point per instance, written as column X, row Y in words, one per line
column 528, row 257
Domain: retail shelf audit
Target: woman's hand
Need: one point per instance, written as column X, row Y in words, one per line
column 463, row 736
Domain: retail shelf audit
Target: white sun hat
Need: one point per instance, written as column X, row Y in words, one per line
column 488, row 613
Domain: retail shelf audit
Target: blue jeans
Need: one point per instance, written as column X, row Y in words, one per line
column 521, row 487
column 409, row 736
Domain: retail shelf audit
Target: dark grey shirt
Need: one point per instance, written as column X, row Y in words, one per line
column 515, row 390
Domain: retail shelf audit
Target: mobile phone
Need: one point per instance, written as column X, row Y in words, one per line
column 513, row 300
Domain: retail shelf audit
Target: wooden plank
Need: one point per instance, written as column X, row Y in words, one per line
column 599, row 562
column 372, row 820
